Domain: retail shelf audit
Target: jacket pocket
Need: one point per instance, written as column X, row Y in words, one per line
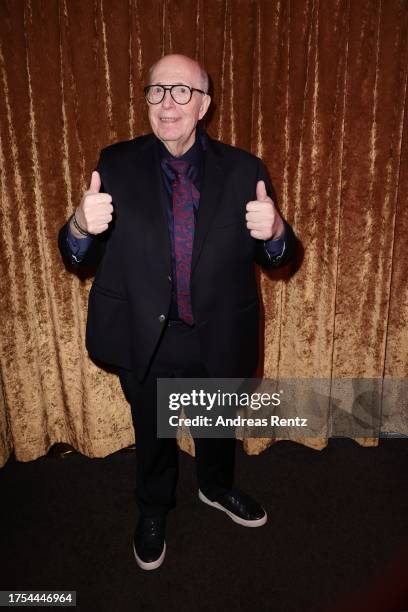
column 108, row 292
column 253, row 304
column 108, row 334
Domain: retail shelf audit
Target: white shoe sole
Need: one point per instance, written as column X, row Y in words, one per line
column 154, row 564
column 234, row 517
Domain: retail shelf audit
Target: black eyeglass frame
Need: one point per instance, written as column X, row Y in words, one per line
column 170, row 88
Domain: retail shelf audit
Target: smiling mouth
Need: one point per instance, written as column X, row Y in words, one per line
column 169, row 119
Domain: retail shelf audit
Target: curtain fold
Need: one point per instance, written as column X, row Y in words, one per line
column 318, row 89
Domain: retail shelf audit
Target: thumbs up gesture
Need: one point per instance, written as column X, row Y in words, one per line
column 95, row 210
column 263, row 220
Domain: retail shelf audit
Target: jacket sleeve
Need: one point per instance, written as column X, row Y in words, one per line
column 93, row 255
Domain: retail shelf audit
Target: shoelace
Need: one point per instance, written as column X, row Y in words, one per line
column 151, row 527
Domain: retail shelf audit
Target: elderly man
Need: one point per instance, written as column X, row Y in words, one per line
column 174, row 222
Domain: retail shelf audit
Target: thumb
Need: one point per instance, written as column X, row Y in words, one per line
column 95, row 185
column 261, row 194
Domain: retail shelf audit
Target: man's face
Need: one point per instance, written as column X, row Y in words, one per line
column 174, row 124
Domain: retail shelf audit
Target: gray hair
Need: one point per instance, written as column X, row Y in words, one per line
column 205, row 81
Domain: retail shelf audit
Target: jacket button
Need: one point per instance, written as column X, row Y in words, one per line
column 169, row 278
column 162, row 318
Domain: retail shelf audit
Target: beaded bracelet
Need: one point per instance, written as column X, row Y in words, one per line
column 78, row 227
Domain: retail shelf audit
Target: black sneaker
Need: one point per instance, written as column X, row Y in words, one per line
column 149, row 545
column 241, row 508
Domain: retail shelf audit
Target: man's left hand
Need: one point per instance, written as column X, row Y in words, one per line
column 263, row 220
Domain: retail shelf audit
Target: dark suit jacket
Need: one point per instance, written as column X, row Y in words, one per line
column 130, row 297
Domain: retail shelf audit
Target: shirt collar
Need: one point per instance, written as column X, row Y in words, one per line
column 194, row 154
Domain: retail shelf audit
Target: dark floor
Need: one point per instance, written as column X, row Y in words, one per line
column 337, row 530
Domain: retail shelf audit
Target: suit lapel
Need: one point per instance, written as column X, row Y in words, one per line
column 152, row 206
column 211, row 188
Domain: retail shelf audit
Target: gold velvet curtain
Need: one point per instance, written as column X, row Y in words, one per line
column 316, row 88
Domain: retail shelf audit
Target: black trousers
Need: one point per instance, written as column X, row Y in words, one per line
column 178, row 355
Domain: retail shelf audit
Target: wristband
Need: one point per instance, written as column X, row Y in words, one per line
column 78, row 227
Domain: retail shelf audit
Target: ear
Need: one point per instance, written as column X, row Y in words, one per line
column 204, row 106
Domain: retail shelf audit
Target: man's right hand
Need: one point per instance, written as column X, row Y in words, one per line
column 95, row 210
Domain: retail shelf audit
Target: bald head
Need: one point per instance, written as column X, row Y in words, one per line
column 183, row 64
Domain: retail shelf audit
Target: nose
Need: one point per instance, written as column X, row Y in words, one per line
column 167, row 101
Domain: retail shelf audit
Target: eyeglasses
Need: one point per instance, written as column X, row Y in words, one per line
column 181, row 94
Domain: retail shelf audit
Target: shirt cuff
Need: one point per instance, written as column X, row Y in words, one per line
column 78, row 246
column 277, row 247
